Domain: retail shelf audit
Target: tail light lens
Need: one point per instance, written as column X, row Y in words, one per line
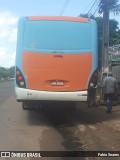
column 93, row 80
column 20, row 80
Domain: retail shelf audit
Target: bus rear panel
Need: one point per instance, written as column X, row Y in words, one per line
column 56, row 58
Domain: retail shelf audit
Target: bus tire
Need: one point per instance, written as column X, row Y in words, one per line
column 25, row 106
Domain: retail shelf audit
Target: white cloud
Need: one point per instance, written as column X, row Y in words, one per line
column 3, row 33
column 7, row 18
column 8, row 27
column 6, row 59
column 13, row 35
column 8, row 36
column 11, row 60
column 3, row 52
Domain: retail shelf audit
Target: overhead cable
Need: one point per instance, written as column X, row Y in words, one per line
column 64, row 7
column 87, row 7
column 92, row 6
column 97, row 8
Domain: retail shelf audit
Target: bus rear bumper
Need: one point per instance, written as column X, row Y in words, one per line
column 35, row 95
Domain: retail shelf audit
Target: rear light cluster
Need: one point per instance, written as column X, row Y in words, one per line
column 93, row 80
column 20, row 79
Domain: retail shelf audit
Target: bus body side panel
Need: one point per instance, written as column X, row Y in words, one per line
column 19, row 48
column 94, row 49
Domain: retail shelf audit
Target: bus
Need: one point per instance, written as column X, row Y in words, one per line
column 56, row 59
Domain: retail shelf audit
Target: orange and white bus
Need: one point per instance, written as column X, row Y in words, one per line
column 56, row 59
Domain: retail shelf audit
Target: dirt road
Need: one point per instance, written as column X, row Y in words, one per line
column 57, row 128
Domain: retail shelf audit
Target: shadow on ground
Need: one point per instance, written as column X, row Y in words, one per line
column 65, row 118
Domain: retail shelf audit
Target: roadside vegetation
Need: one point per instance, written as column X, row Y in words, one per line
column 6, row 74
column 114, row 35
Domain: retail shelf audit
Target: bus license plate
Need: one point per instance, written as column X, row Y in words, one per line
column 57, row 83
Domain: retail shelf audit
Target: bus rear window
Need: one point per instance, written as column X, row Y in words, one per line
column 57, row 36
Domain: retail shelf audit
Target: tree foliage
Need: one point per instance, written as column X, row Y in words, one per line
column 87, row 16
column 111, row 5
column 114, row 31
column 7, row 72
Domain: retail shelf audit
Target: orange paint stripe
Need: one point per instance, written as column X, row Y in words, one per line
column 62, row 18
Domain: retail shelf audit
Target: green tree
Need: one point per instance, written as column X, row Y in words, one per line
column 105, row 7
column 113, row 35
column 114, row 31
column 3, row 72
column 111, row 5
column 86, row 16
column 117, row 38
column 10, row 72
column 7, row 72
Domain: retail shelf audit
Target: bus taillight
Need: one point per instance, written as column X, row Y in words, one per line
column 20, row 78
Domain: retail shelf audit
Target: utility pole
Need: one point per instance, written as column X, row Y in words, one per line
column 105, row 46
column 105, row 43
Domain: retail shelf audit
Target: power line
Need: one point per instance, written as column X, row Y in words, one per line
column 95, row 11
column 97, row 8
column 87, row 7
column 64, row 7
column 92, row 6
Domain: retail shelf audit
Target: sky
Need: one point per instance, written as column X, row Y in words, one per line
column 12, row 10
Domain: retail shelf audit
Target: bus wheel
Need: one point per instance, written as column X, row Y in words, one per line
column 25, row 106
